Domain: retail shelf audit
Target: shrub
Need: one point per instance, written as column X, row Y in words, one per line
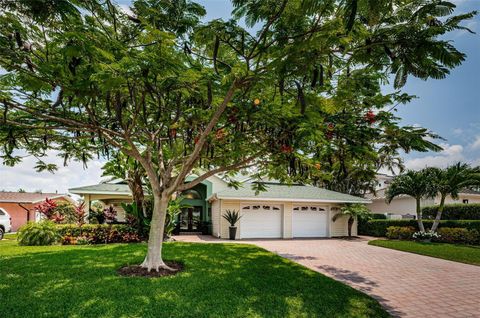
column 379, row 227
column 458, row 235
column 400, row 232
column 97, row 234
column 457, row 211
column 378, row 216
column 39, row 233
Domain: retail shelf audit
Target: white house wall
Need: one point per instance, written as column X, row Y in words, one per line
column 219, row 207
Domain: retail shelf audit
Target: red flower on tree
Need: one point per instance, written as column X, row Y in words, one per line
column 370, row 117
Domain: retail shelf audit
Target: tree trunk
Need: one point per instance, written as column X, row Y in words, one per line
column 439, row 214
column 419, row 216
column 153, row 260
column 350, row 225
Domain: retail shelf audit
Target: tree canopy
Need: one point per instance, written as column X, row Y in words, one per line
column 298, row 85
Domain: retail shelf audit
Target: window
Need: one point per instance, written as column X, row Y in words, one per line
column 192, row 195
column 266, row 207
column 276, row 208
column 296, row 208
column 256, row 207
column 2, row 213
column 246, row 207
column 465, row 201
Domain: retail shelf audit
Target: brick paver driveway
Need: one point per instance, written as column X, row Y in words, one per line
column 406, row 284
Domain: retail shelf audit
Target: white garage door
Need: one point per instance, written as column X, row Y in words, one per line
column 261, row 221
column 309, row 221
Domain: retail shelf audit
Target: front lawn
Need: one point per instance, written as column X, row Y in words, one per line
column 220, row 280
column 452, row 252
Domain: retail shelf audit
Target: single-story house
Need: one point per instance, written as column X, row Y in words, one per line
column 282, row 211
column 20, row 205
column 405, row 206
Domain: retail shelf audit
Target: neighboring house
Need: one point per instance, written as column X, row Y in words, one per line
column 405, row 205
column 20, row 205
column 282, row 211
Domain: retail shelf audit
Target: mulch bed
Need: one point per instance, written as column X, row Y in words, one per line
column 138, row 271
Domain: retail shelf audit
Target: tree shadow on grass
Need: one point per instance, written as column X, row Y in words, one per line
column 219, row 280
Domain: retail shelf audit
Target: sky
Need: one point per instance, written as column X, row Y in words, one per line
column 449, row 107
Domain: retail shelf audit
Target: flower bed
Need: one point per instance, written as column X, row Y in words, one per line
column 97, row 234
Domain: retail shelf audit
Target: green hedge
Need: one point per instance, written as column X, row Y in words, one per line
column 97, row 234
column 457, row 211
column 379, row 227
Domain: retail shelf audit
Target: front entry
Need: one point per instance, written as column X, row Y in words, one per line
column 191, row 219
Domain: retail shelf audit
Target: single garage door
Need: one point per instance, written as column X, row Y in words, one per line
column 261, row 221
column 309, row 221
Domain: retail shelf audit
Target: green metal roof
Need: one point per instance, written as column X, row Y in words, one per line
column 284, row 192
column 102, row 188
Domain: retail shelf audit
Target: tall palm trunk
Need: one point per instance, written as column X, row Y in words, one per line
column 154, row 260
column 438, row 217
column 419, row 216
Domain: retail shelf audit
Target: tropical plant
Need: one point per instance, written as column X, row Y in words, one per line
column 47, row 208
column 450, row 181
column 416, row 184
column 110, row 214
column 38, row 233
column 232, row 217
column 136, row 218
column 174, row 209
column 80, row 214
column 181, row 94
column 353, row 211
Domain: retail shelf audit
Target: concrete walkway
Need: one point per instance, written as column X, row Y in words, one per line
column 406, row 284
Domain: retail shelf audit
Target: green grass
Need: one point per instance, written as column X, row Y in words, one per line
column 458, row 253
column 220, row 280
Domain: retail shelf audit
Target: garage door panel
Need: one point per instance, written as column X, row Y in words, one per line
column 309, row 221
column 261, row 221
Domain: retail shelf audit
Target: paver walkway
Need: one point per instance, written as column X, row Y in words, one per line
column 406, row 284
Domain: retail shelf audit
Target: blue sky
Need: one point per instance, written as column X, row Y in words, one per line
column 449, row 107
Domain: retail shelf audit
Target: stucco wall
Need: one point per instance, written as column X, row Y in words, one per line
column 228, row 205
column 215, row 218
column 337, row 228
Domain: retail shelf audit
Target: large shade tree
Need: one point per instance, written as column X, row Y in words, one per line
column 179, row 95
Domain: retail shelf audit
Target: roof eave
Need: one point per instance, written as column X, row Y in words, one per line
column 291, row 200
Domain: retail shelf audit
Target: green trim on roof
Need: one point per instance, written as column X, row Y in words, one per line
column 293, row 192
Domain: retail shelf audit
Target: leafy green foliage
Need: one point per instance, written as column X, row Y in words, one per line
column 38, row 233
column 379, row 227
column 97, row 234
column 458, row 211
column 400, row 232
column 232, row 217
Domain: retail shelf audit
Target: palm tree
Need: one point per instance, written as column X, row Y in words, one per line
column 451, row 181
column 354, row 211
column 416, row 184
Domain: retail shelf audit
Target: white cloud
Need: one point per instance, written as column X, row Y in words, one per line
column 449, row 155
column 24, row 175
column 476, row 144
column 458, row 131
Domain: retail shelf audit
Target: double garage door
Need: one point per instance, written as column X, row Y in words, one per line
column 266, row 221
